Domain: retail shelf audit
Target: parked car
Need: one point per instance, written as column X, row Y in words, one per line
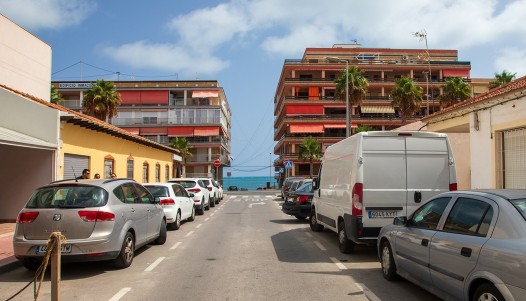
column 286, row 186
column 200, row 191
column 232, row 188
column 243, row 189
column 219, row 188
column 299, row 202
column 101, row 219
column 177, row 203
column 371, row 177
column 214, row 192
column 462, row 245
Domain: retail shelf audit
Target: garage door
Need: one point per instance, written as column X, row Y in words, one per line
column 74, row 164
column 511, row 160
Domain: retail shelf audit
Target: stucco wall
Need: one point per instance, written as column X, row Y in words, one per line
column 461, row 148
column 98, row 145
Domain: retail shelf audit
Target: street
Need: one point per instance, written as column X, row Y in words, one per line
column 243, row 249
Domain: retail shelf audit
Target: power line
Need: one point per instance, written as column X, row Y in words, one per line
column 111, row 72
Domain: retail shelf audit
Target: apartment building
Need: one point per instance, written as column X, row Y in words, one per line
column 305, row 103
column 161, row 110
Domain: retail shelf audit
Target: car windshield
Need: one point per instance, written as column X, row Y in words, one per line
column 521, row 205
column 158, row 191
column 185, row 184
column 68, row 197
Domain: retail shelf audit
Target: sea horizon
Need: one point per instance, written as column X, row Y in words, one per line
column 250, row 183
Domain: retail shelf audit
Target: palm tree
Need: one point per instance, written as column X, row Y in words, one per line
column 454, row 90
column 502, row 78
column 310, row 149
column 357, row 86
column 364, row 128
column 55, row 95
column 406, row 96
column 183, row 146
column 102, row 100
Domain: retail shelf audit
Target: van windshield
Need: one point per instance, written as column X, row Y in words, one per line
column 68, row 197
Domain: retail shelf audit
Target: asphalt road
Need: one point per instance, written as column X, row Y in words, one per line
column 243, row 249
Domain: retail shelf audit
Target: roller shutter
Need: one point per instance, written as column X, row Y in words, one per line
column 74, row 163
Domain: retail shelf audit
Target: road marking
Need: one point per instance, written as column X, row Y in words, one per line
column 338, row 263
column 368, row 293
column 245, row 196
column 154, row 264
column 206, row 219
column 189, row 233
column 198, row 226
column 308, row 234
column 175, row 246
column 120, row 294
column 319, row 245
column 250, row 206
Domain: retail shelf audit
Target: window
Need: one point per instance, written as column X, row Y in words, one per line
column 157, row 173
column 126, row 193
column 145, row 196
column 167, row 172
column 179, row 190
column 129, row 168
column 145, row 171
column 469, row 216
column 108, row 167
column 149, row 120
column 428, row 216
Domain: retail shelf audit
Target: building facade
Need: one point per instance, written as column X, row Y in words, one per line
column 162, row 110
column 305, row 103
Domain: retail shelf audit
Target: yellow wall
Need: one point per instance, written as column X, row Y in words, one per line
column 98, row 145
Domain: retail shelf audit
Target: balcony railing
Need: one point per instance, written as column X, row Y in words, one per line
column 389, row 80
column 165, row 121
column 353, row 60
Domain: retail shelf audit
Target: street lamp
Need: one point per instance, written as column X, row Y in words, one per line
column 423, row 36
column 347, row 115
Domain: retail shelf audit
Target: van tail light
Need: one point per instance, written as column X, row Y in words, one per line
column 27, row 217
column 357, row 199
column 302, row 199
column 168, row 201
column 453, row 187
column 194, row 190
column 209, row 188
column 96, row 216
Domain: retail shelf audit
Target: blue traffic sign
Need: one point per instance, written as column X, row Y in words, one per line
column 288, row 164
column 281, row 170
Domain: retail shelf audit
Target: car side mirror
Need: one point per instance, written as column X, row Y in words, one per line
column 156, row 200
column 315, row 184
column 400, row 221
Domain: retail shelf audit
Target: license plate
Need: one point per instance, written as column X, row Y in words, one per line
column 65, row 249
column 382, row 214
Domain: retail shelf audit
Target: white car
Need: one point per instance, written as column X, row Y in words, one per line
column 200, row 191
column 177, row 203
column 220, row 188
column 214, row 191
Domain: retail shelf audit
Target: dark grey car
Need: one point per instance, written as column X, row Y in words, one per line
column 101, row 220
column 462, row 245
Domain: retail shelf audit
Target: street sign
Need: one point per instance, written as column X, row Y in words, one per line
column 281, row 170
column 217, row 163
column 288, row 164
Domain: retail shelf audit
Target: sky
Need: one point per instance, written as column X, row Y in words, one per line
column 244, row 43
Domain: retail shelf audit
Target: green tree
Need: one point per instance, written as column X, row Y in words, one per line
column 501, row 79
column 102, row 100
column 406, row 96
column 310, row 149
column 357, row 86
column 183, row 146
column 454, row 90
column 363, row 128
column 55, row 95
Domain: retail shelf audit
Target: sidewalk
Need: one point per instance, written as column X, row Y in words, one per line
column 7, row 258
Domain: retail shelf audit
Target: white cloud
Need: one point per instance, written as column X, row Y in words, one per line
column 47, row 14
column 512, row 60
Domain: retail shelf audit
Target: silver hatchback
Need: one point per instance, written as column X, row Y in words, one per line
column 101, row 220
column 461, row 245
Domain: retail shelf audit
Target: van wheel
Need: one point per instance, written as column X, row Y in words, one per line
column 346, row 246
column 313, row 222
column 487, row 291
column 125, row 257
column 387, row 262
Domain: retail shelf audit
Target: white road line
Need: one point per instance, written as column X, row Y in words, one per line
column 338, row 263
column 319, row 245
column 120, row 294
column 206, row 219
column 308, row 234
column 189, row 233
column 210, row 216
column 154, row 264
column 198, row 226
column 368, row 293
column 177, row 244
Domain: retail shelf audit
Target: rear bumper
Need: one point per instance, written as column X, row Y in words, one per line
column 295, row 209
column 358, row 233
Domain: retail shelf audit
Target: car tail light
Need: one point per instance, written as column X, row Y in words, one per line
column 357, row 199
column 209, row 188
column 194, row 190
column 302, row 199
column 167, row 202
column 96, row 216
column 452, row 186
column 27, row 217
column 286, row 188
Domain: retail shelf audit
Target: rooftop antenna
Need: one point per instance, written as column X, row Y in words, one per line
column 355, row 41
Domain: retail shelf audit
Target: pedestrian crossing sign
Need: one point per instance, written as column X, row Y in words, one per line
column 288, row 164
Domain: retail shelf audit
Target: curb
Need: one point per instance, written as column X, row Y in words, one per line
column 9, row 264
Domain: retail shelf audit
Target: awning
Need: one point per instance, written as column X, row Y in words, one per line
column 15, row 138
column 378, row 109
column 303, row 109
column 455, row 73
column 153, row 131
column 206, row 131
column 180, row 131
column 132, row 130
column 205, row 93
column 306, row 128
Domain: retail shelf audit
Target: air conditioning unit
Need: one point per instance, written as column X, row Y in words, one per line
column 405, row 57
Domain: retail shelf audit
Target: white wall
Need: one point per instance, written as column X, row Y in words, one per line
column 25, row 60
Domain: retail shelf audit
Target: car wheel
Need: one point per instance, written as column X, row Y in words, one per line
column 202, row 208
column 300, row 217
column 31, row 264
column 177, row 224
column 208, row 205
column 313, row 222
column 192, row 217
column 217, row 200
column 487, row 292
column 127, row 252
column 387, row 262
column 212, row 202
column 162, row 232
column 346, row 246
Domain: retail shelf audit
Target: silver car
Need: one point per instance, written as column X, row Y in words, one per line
column 461, row 245
column 101, row 220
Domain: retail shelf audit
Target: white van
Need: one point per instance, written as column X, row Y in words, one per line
column 371, row 177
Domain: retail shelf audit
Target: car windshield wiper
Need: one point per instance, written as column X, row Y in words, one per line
column 70, row 206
